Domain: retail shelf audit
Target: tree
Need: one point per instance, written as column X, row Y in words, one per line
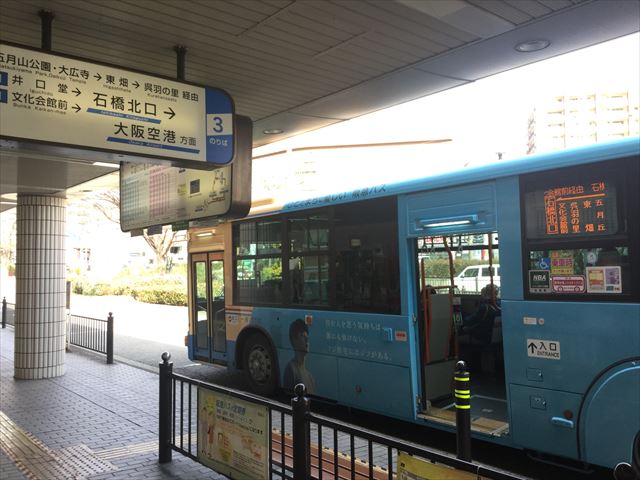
column 108, row 203
column 8, row 240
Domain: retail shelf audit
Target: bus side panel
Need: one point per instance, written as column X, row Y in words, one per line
column 610, row 416
column 553, row 352
column 509, row 234
column 347, row 350
column 538, row 422
column 386, row 392
column 408, row 297
column 587, row 338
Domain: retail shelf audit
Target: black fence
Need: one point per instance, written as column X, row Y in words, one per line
column 92, row 333
column 303, row 445
column 8, row 313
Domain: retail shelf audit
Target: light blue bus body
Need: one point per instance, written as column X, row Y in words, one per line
column 582, row 403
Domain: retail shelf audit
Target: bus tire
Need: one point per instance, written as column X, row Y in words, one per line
column 259, row 363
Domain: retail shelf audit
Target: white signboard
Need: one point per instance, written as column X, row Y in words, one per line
column 547, row 349
column 66, row 101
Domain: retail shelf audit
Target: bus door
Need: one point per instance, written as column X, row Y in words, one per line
column 437, row 332
column 454, row 232
column 208, row 314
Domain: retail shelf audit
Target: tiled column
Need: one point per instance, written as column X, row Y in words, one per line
column 40, row 287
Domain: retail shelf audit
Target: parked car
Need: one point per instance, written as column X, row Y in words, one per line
column 475, row 277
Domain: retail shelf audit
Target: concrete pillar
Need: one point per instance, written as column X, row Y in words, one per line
column 40, row 287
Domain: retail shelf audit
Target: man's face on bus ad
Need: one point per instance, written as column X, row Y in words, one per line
column 300, row 341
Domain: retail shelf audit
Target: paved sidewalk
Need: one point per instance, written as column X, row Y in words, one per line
column 96, row 422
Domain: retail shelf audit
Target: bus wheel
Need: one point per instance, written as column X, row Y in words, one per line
column 259, row 365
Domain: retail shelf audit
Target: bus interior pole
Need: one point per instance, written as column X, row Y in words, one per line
column 493, row 290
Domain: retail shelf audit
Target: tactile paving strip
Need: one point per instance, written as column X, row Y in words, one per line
column 37, row 462
column 119, row 452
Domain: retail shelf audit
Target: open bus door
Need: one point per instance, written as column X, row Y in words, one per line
column 438, row 338
column 209, row 328
column 442, row 306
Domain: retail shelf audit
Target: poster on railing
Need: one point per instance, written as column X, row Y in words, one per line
column 233, row 436
column 415, row 468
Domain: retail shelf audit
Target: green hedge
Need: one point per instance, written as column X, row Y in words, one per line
column 161, row 289
column 164, row 295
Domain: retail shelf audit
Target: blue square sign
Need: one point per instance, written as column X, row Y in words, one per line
column 3, row 96
column 4, row 78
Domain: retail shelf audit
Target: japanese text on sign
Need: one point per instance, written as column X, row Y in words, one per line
column 80, row 104
column 233, row 436
column 581, row 209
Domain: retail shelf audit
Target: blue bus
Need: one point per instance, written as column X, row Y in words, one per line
column 354, row 294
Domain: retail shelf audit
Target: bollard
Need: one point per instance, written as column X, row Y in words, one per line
column 461, row 382
column 110, row 338
column 301, row 435
column 164, row 425
column 4, row 312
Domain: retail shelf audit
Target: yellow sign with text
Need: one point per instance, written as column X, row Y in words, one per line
column 414, row 468
column 233, row 436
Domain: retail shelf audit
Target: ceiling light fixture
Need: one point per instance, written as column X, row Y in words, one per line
column 272, row 131
column 532, row 45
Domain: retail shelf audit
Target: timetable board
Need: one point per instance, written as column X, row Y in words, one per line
column 152, row 195
column 159, row 195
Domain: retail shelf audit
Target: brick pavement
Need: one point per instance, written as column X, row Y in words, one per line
column 96, row 422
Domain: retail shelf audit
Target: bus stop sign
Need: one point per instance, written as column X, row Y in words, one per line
column 75, row 104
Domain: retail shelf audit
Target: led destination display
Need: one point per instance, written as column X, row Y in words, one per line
column 572, row 210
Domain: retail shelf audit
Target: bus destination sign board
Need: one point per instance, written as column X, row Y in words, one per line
column 578, row 209
column 75, row 103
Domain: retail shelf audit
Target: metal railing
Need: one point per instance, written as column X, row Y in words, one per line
column 303, row 445
column 93, row 334
column 8, row 313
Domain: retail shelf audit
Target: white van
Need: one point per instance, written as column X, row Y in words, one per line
column 475, row 277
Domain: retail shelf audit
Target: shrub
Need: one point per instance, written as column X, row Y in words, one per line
column 161, row 294
column 149, row 287
column 80, row 287
column 121, row 289
column 98, row 289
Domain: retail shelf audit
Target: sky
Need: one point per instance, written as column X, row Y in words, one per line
column 481, row 118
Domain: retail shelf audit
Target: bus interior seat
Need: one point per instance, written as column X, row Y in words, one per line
column 270, row 290
column 486, row 355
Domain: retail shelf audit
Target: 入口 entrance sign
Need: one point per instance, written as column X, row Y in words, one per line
column 74, row 103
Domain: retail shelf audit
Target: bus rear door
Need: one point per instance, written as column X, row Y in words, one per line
column 207, row 274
